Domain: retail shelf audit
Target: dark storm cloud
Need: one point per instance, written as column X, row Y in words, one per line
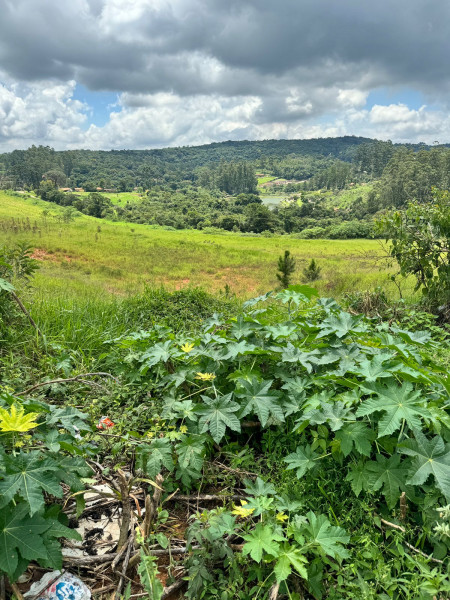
column 234, row 47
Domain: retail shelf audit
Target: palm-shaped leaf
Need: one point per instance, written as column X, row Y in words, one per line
column 398, row 404
column 217, row 414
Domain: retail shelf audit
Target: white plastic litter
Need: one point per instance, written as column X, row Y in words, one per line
column 58, row 586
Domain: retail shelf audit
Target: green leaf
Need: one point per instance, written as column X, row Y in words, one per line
column 217, row 414
column 287, row 558
column 148, row 570
column 157, row 353
column 293, row 354
column 358, row 477
column 243, row 328
column 20, row 537
column 236, row 349
column 29, row 475
column 281, row 330
column 341, row 325
column 398, row 403
column 389, row 474
column 262, row 539
column 5, row 285
column 152, row 457
column 68, row 417
column 430, row 457
column 259, row 488
column 190, row 453
column 333, row 414
column 325, row 536
column 71, row 469
column 355, row 435
column 374, row 369
column 260, row 400
column 303, row 459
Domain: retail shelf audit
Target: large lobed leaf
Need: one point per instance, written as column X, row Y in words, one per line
column 430, row 457
column 398, row 403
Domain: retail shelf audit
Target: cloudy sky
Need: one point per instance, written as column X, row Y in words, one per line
column 152, row 73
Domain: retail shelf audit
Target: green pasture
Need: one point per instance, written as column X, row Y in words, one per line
column 89, row 257
column 266, row 179
column 119, row 198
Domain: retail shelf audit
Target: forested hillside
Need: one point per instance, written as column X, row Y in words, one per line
column 322, row 188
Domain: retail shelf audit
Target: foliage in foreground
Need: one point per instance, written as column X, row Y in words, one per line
column 344, row 420
column 344, row 395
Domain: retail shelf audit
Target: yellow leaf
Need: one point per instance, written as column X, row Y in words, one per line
column 281, row 517
column 187, row 347
column 17, row 420
column 205, row 376
column 241, row 511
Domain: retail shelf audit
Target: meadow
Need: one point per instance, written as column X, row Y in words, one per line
column 89, row 257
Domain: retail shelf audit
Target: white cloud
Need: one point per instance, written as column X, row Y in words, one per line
column 40, row 113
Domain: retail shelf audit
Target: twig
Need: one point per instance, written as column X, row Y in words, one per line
column 171, row 589
column 124, row 568
column 102, row 590
column 273, row 594
column 410, row 546
column 25, row 312
column 76, row 378
column 2, row 588
column 126, row 510
column 393, row 525
column 204, row 497
column 119, row 555
column 15, row 589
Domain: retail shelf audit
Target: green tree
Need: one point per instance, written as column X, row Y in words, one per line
column 57, row 176
column 286, row 267
column 312, row 271
column 420, row 243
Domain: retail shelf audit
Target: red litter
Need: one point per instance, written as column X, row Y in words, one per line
column 105, row 423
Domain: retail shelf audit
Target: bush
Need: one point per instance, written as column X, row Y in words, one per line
column 350, row 229
column 180, row 310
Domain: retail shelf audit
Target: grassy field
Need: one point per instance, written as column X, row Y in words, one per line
column 90, row 257
column 120, row 198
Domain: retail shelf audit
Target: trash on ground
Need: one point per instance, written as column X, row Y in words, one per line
column 58, row 586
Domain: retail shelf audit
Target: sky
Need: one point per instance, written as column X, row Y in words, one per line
column 106, row 74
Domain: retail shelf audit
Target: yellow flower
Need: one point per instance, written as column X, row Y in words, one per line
column 241, row 511
column 150, row 434
column 205, row 376
column 183, row 429
column 187, row 347
column 281, row 517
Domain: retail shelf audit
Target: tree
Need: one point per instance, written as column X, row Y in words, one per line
column 286, row 266
column 259, row 218
column 312, row 271
column 420, row 243
column 58, row 177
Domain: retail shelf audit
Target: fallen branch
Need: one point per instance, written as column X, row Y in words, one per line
column 124, row 568
column 102, row 590
column 204, row 497
column 76, row 378
column 410, row 546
